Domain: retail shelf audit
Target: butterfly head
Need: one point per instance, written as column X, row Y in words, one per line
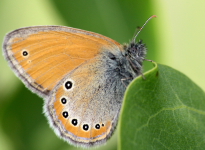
column 135, row 53
column 136, row 50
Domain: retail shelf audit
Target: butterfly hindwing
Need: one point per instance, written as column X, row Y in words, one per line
column 84, row 107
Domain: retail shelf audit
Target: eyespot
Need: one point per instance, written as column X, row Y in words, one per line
column 25, row 53
column 86, row 127
column 63, row 100
column 102, row 124
column 68, row 85
column 65, row 114
column 97, row 126
column 74, row 122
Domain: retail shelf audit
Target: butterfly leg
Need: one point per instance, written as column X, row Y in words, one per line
column 122, row 80
column 142, row 75
column 148, row 60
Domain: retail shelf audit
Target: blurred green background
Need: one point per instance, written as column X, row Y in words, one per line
column 175, row 38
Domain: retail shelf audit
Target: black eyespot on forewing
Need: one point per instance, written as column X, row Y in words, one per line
column 25, row 53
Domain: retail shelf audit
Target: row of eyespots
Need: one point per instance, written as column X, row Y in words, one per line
column 75, row 122
column 68, row 85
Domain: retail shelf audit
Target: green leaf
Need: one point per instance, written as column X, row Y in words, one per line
column 164, row 111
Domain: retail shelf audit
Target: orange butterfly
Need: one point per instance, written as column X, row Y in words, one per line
column 81, row 75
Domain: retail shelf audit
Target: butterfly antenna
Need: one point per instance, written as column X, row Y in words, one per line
column 154, row 16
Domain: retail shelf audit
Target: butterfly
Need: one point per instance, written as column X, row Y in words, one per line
column 81, row 75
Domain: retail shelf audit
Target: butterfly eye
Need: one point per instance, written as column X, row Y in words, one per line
column 111, row 56
column 74, row 122
column 68, row 85
column 65, row 114
column 97, row 126
column 86, row 127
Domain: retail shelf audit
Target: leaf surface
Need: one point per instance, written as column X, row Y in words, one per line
column 164, row 111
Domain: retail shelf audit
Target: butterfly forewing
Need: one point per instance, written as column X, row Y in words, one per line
column 42, row 55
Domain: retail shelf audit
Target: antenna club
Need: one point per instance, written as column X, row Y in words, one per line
column 153, row 16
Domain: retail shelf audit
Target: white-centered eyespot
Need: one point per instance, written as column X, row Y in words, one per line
column 68, row 85
column 25, row 53
column 74, row 122
column 64, row 100
column 86, row 127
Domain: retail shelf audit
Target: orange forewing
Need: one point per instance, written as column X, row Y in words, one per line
column 54, row 53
